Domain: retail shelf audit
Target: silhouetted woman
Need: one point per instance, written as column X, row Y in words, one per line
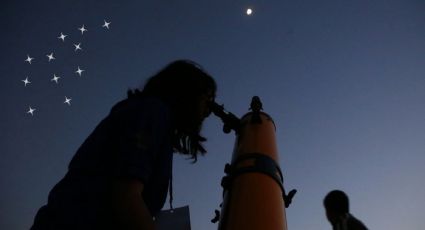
column 120, row 176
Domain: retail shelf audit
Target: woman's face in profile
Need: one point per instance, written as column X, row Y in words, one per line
column 204, row 105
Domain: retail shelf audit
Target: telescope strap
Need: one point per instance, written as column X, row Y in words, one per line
column 256, row 163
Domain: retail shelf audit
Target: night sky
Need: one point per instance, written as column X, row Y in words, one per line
column 343, row 80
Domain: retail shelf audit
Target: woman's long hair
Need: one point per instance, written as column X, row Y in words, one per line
column 181, row 85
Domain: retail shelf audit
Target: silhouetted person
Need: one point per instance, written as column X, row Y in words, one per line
column 338, row 213
column 120, row 175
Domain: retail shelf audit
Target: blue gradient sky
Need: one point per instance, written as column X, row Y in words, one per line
column 343, row 80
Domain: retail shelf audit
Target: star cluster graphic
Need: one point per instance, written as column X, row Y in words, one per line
column 50, row 57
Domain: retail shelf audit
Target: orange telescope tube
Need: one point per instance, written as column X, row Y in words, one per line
column 254, row 197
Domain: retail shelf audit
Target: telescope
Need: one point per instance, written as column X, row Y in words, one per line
column 254, row 196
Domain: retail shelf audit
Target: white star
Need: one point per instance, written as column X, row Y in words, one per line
column 82, row 29
column 50, row 56
column 106, row 24
column 29, row 59
column 67, row 100
column 31, row 110
column 26, row 81
column 79, row 71
column 55, row 78
column 62, row 37
column 77, row 47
